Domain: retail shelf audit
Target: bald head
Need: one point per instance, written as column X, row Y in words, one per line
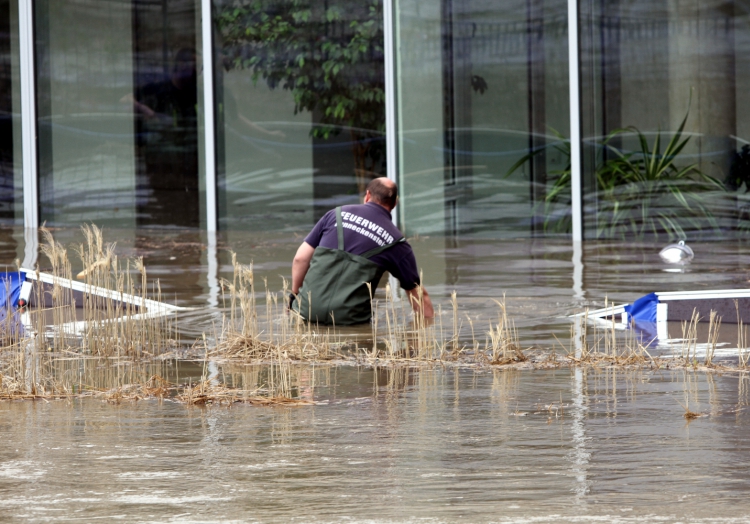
column 383, row 191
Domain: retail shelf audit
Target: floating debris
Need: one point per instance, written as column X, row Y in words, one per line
column 679, row 253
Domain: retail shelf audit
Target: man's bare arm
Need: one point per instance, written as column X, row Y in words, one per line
column 423, row 302
column 300, row 265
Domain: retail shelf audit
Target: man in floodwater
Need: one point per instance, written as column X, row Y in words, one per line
column 349, row 248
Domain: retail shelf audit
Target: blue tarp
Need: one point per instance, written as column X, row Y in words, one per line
column 643, row 309
column 10, row 288
column 10, row 291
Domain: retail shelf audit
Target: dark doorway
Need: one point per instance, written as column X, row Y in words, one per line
column 166, row 116
column 6, row 116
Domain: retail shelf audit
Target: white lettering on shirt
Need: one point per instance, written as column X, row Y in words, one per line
column 364, row 232
column 378, row 235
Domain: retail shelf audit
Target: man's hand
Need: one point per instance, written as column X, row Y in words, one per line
column 421, row 302
column 300, row 265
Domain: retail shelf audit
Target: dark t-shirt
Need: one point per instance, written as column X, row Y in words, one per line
column 367, row 226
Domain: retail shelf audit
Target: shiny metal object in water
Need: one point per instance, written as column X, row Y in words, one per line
column 679, row 253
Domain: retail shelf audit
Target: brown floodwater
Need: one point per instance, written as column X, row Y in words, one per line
column 427, row 445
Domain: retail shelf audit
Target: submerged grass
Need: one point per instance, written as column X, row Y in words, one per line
column 60, row 323
column 255, row 330
column 270, row 333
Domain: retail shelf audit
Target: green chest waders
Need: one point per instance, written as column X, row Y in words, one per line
column 335, row 287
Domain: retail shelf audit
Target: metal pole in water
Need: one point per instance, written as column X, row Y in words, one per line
column 209, row 126
column 390, row 111
column 575, row 121
column 28, row 114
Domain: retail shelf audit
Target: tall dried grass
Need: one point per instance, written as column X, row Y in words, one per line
column 272, row 334
column 63, row 323
column 93, row 344
column 598, row 344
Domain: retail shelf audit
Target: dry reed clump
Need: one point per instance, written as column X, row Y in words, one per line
column 599, row 345
column 259, row 391
column 207, row 393
column 282, row 336
column 272, row 334
column 596, row 345
column 102, row 324
column 506, row 348
column 203, row 393
column 95, row 321
column 411, row 338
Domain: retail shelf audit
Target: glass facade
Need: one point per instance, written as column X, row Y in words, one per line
column 483, row 112
column 117, row 104
column 300, row 107
column 481, row 120
column 666, row 131
column 11, row 165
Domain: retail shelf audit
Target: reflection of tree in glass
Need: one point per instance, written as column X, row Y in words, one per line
column 330, row 60
column 237, row 120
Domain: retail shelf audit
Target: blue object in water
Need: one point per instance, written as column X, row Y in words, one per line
column 10, row 288
column 643, row 309
column 10, row 292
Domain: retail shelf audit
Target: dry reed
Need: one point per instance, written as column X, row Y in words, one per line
column 256, row 328
column 63, row 321
column 275, row 335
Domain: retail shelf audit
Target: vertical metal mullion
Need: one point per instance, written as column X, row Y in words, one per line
column 209, row 109
column 28, row 114
column 213, row 270
column 391, row 127
column 575, row 120
column 390, row 96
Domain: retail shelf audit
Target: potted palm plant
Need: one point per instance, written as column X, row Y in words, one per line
column 639, row 192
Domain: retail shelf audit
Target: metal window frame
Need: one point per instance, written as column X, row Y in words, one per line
column 391, row 128
column 28, row 114
column 29, row 120
column 209, row 118
column 575, row 121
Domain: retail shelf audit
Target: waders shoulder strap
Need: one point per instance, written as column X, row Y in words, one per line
column 340, row 229
column 380, row 249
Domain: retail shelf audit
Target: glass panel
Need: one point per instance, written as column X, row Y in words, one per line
column 117, row 107
column 86, row 135
column 483, row 115
column 664, row 122
column 167, row 108
column 300, row 109
column 11, row 173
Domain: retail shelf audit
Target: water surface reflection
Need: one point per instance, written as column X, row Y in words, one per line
column 543, row 280
column 398, row 445
column 393, row 446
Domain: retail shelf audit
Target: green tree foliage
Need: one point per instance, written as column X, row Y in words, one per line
column 329, row 58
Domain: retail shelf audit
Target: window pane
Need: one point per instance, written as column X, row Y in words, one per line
column 11, row 174
column 483, row 117
column 664, row 120
column 300, row 109
column 117, row 109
